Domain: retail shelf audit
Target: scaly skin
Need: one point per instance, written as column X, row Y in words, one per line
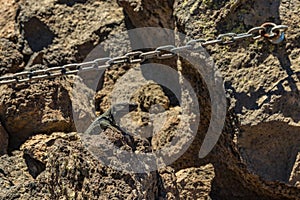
column 107, row 120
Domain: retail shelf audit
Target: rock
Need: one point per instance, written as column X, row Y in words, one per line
column 271, row 161
column 72, row 172
column 70, row 3
column 295, row 173
column 256, row 156
column 49, row 44
column 43, row 107
column 13, row 172
column 264, row 81
column 69, row 33
column 8, row 11
column 151, row 95
column 195, row 183
column 168, row 186
column 3, row 140
column 11, row 59
column 149, row 13
column 37, row 34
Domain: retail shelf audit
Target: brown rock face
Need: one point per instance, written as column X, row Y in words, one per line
column 3, row 140
column 40, row 108
column 58, row 166
column 195, row 183
column 294, row 177
column 11, row 59
column 42, row 157
column 8, row 11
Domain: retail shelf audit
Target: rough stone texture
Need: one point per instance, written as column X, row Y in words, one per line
column 149, row 13
column 8, row 12
column 43, row 107
column 295, row 173
column 11, row 59
column 14, row 171
column 257, row 155
column 60, row 167
column 263, row 79
column 168, row 186
column 66, row 33
column 195, row 183
column 207, row 18
column 46, row 106
column 3, row 140
column 271, row 161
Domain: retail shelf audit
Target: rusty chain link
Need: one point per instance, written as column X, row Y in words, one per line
column 270, row 31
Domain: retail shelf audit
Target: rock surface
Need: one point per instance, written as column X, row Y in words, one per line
column 3, row 140
column 41, row 157
column 294, row 177
column 9, row 11
column 58, row 166
column 195, row 183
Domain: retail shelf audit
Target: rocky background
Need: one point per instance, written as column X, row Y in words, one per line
column 257, row 155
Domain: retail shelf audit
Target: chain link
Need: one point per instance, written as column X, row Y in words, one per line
column 274, row 33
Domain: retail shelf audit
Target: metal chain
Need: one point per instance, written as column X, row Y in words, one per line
column 274, row 33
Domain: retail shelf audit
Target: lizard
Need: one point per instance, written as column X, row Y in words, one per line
column 108, row 118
